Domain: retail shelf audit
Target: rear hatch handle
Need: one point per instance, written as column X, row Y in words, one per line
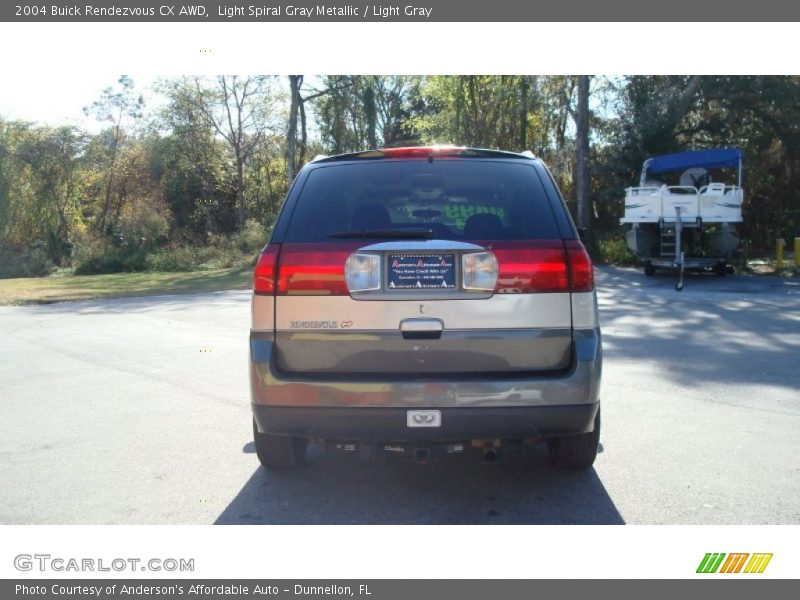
column 421, row 329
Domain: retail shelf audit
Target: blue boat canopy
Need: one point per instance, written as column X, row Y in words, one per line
column 715, row 158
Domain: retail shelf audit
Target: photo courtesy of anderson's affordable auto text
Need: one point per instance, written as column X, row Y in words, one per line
column 490, row 302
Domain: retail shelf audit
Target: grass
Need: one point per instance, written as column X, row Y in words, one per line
column 44, row 290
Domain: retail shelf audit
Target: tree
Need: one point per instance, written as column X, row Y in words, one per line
column 241, row 112
column 54, row 159
column 582, row 156
column 113, row 106
column 189, row 161
column 363, row 112
column 295, row 103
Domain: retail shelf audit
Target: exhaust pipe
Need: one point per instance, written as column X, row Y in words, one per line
column 422, row 455
column 491, row 455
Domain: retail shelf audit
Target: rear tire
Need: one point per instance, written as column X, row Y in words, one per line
column 279, row 451
column 575, row 452
column 649, row 269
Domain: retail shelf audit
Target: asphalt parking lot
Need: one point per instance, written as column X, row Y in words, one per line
column 136, row 411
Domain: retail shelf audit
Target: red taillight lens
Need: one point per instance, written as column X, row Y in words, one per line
column 581, row 273
column 530, row 267
column 264, row 275
column 523, row 267
column 314, row 269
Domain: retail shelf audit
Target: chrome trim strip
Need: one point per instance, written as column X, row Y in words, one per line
column 419, row 245
column 500, row 311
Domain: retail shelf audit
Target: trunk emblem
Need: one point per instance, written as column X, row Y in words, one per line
column 424, row 418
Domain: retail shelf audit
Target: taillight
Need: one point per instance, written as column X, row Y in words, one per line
column 422, row 151
column 531, row 267
column 264, row 274
column 581, row 273
column 313, row 269
column 536, row 267
column 510, row 267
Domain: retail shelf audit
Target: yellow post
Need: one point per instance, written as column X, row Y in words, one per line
column 797, row 252
column 779, row 244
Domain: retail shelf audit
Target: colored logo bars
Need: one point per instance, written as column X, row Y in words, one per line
column 734, row 562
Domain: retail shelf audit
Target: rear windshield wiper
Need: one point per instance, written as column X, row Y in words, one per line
column 417, row 233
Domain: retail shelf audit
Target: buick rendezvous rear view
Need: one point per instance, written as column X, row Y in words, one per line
column 425, row 302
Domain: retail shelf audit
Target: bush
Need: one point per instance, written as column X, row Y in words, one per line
column 30, row 262
column 132, row 248
column 187, row 258
column 141, row 226
column 614, row 251
column 223, row 258
column 98, row 256
column 172, row 260
column 137, row 233
column 251, row 239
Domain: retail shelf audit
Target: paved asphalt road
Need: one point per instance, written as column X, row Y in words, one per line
column 136, row 411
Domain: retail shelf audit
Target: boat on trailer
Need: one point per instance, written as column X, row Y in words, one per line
column 688, row 220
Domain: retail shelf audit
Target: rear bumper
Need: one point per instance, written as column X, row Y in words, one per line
column 518, row 406
column 458, row 424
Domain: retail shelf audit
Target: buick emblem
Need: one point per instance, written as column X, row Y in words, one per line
column 424, row 418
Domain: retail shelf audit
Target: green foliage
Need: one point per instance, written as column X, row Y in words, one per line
column 614, row 251
column 475, row 110
column 359, row 112
column 239, row 249
column 251, row 239
column 173, row 260
column 182, row 188
column 101, row 256
column 140, row 228
column 32, row 262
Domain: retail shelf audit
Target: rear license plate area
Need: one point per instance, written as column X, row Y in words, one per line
column 421, row 271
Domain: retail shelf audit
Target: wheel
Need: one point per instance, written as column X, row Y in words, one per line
column 649, row 269
column 721, row 269
column 279, row 451
column 575, row 452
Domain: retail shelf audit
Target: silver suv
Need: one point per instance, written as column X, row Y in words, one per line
column 424, row 302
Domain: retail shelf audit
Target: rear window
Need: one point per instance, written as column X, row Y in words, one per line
column 457, row 199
